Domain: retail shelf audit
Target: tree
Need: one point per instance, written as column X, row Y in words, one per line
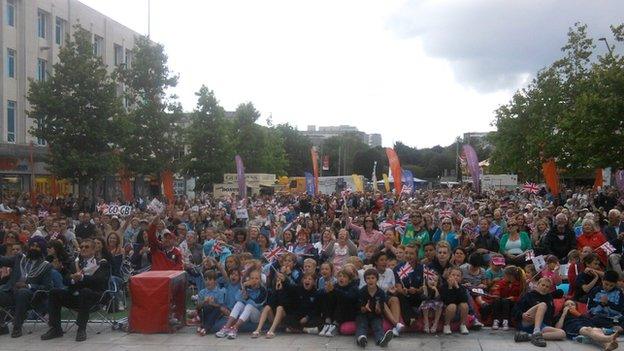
column 152, row 142
column 209, row 141
column 297, row 148
column 249, row 137
column 364, row 161
column 341, row 151
column 78, row 113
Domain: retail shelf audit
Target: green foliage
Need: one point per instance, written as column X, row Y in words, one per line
column 210, row 151
column 297, row 148
column 573, row 111
column 342, row 151
column 365, row 159
column 78, row 113
column 152, row 142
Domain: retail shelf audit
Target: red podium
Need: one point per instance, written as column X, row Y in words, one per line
column 158, row 302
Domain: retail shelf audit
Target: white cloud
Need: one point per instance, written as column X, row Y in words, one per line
column 318, row 62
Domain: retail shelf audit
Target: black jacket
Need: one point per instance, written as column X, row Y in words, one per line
column 42, row 281
column 531, row 299
column 612, row 236
column 559, row 247
column 98, row 281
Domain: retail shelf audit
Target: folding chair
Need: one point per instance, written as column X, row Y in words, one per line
column 35, row 315
column 101, row 309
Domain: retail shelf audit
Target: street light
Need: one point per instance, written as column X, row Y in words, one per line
column 607, row 44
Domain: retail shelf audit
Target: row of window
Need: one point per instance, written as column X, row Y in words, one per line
column 11, row 122
column 42, row 66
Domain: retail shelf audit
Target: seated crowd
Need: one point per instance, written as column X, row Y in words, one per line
column 351, row 263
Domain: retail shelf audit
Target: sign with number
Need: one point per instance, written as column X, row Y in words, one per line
column 241, row 213
column 125, row 211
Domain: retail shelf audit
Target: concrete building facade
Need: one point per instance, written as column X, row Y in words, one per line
column 32, row 34
column 318, row 135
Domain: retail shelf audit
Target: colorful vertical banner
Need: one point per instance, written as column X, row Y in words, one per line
column 326, row 163
column 551, row 176
column 315, row 164
column 240, row 178
column 309, row 183
column 619, row 179
column 395, row 167
column 472, row 162
column 54, row 188
column 606, row 176
column 357, row 182
column 126, row 188
column 598, row 182
column 374, row 177
column 386, row 182
column 167, row 183
column 408, row 179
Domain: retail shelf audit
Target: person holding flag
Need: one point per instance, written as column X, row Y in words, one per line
column 593, row 238
column 409, row 284
column 166, row 256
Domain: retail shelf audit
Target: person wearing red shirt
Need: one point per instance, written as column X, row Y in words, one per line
column 165, row 255
column 593, row 238
column 505, row 293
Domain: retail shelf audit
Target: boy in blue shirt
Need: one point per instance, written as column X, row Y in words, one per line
column 210, row 303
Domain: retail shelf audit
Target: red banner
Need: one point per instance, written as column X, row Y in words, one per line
column 54, row 189
column 167, row 182
column 315, row 168
column 598, row 179
column 551, row 176
column 395, row 167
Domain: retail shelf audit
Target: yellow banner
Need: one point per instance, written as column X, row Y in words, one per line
column 357, row 181
column 386, row 182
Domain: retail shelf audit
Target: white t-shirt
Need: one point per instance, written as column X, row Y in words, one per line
column 385, row 282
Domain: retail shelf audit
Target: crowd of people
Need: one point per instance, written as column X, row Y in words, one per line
column 434, row 261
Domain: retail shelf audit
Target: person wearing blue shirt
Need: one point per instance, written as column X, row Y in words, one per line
column 210, row 303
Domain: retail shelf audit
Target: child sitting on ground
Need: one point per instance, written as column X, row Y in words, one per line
column 454, row 296
column 371, row 302
column 210, row 303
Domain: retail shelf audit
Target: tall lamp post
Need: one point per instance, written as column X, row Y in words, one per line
column 607, row 44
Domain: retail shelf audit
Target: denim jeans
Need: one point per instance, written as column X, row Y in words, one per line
column 364, row 320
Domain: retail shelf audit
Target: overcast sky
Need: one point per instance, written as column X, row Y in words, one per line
column 421, row 71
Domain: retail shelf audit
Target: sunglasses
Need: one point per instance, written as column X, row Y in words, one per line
column 85, row 246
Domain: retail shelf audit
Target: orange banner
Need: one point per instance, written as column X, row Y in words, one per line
column 54, row 189
column 315, row 169
column 126, row 188
column 395, row 167
column 167, row 182
column 551, row 176
column 598, row 179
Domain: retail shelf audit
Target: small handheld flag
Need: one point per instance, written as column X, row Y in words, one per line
column 405, row 270
column 607, row 248
column 530, row 188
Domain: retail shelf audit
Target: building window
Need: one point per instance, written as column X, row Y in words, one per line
column 98, row 45
column 40, row 141
column 119, row 55
column 10, row 13
column 41, row 24
column 128, row 60
column 11, row 121
column 59, row 31
column 11, row 63
column 41, row 69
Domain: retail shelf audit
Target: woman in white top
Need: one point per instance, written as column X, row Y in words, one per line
column 327, row 238
column 341, row 249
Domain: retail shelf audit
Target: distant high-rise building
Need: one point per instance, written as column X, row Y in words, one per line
column 317, row 136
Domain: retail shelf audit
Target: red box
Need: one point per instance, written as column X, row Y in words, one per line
column 158, row 302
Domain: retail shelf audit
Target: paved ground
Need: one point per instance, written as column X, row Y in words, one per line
column 187, row 340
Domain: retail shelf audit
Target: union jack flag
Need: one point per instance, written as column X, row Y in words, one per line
column 405, row 270
column 529, row 255
column 275, row 253
column 345, row 193
column 445, row 213
column 429, row 273
column 530, row 188
column 217, row 248
column 607, row 248
column 407, row 189
column 282, row 211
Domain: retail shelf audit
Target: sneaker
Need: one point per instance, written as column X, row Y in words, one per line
column 582, row 339
column 495, row 324
column 332, row 331
column 311, row 330
column 16, row 333
column 324, row 330
column 194, row 298
column 476, row 324
column 222, row 333
column 81, row 335
column 537, row 339
column 386, row 338
column 397, row 329
column 426, row 329
column 463, row 329
column 505, row 325
column 447, row 329
column 362, row 341
column 521, row 337
column 232, row 334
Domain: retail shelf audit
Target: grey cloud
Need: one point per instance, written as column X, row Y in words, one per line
column 492, row 44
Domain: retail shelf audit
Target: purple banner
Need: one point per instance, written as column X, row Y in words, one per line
column 472, row 162
column 240, row 177
column 619, row 179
